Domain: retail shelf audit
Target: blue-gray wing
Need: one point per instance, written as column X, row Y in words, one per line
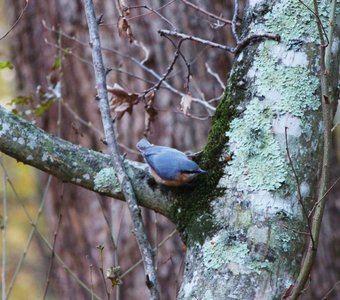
column 169, row 162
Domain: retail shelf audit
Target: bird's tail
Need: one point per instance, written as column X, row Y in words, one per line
column 143, row 144
column 201, row 171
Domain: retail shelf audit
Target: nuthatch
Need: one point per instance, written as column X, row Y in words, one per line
column 168, row 166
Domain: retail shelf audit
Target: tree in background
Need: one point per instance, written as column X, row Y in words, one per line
column 246, row 219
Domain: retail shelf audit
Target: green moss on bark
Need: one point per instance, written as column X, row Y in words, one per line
column 191, row 211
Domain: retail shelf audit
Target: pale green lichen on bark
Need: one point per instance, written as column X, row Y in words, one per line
column 258, row 162
column 208, row 295
column 283, row 84
column 4, row 128
column 222, row 251
column 106, row 180
column 293, row 21
column 295, row 89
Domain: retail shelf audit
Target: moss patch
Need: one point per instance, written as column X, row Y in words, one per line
column 192, row 210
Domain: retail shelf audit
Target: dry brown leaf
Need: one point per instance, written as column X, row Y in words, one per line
column 186, row 103
column 151, row 112
column 122, row 100
column 125, row 8
column 124, row 29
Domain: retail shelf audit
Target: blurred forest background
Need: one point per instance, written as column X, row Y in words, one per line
column 51, row 83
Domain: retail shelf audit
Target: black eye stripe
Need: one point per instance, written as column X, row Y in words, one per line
column 189, row 171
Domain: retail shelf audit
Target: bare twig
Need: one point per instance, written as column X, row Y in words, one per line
column 331, row 290
column 17, row 21
column 256, row 37
column 156, row 239
column 67, row 269
column 4, row 236
column 46, row 242
column 167, row 72
column 155, row 11
column 211, row 15
column 141, row 260
column 52, row 257
column 335, row 126
column 234, row 21
column 184, row 36
column 91, row 280
column 326, row 193
column 112, row 236
column 300, row 198
column 100, row 74
column 320, row 25
column 187, row 64
column 101, row 270
column 33, row 230
column 216, row 76
column 115, row 245
column 118, row 70
column 166, row 85
column 240, row 46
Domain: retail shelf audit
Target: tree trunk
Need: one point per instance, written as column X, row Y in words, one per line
column 246, row 240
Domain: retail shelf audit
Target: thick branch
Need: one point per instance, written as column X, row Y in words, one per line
column 71, row 163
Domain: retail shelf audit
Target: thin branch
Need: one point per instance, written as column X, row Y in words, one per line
column 166, row 85
column 46, row 242
column 134, row 266
column 91, row 280
column 256, row 37
column 216, row 76
column 112, row 236
column 33, row 223
column 155, row 11
column 187, row 64
column 52, row 257
column 335, row 126
column 4, row 238
column 156, row 239
column 319, row 23
column 101, row 270
column 167, row 72
column 17, row 20
column 326, row 193
column 67, row 269
column 300, row 198
column 184, row 36
column 234, row 21
column 240, row 46
column 151, row 11
column 331, row 291
column 92, row 127
column 211, row 15
column 118, row 70
column 126, row 186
